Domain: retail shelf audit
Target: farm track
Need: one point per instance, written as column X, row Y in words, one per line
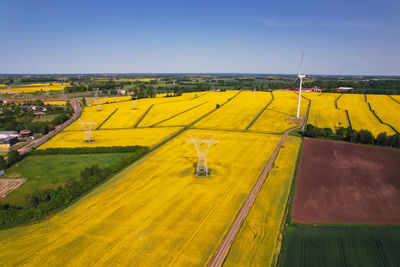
column 225, row 245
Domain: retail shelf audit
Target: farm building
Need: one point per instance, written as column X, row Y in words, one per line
column 7, row 142
column 345, row 88
column 5, row 134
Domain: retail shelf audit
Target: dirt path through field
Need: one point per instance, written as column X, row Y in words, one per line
column 225, row 245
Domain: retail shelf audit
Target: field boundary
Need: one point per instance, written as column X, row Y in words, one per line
column 262, row 111
column 393, row 98
column 224, row 247
column 142, row 117
column 212, row 111
column 345, row 110
column 288, row 207
column 101, row 124
column 180, row 113
column 379, row 119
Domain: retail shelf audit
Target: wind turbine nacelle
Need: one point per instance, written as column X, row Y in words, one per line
column 302, row 76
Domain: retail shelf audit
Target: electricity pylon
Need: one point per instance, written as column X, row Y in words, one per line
column 47, row 90
column 87, row 127
column 96, row 95
column 202, row 168
column 134, row 103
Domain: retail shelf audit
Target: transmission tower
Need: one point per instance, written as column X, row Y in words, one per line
column 47, row 89
column 87, row 127
column 96, row 95
column 202, row 168
column 63, row 95
column 134, row 102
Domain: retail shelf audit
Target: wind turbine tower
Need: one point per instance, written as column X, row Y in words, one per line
column 87, row 127
column 300, row 77
column 202, row 167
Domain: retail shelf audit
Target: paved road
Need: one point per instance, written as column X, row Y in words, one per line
column 225, row 245
column 38, row 142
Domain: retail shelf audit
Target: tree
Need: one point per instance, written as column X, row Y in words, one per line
column 310, row 131
column 3, row 163
column 382, row 139
column 340, row 133
column 13, row 157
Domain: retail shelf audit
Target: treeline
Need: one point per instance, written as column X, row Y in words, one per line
column 41, row 202
column 12, row 157
column 108, row 86
column 353, row 136
column 85, row 150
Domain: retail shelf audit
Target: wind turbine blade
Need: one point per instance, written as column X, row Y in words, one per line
column 295, row 79
column 301, row 63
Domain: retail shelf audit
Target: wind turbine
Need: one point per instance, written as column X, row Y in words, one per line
column 300, row 77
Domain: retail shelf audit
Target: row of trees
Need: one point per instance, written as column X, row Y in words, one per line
column 41, row 202
column 353, row 136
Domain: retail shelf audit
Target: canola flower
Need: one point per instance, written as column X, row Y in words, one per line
column 323, row 113
column 238, row 113
column 360, row 115
column 255, row 245
column 277, row 117
column 122, row 137
column 386, row 109
column 155, row 212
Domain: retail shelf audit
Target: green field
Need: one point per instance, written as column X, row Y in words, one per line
column 341, row 246
column 51, row 171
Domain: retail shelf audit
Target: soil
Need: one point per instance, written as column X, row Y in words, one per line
column 8, row 185
column 340, row 182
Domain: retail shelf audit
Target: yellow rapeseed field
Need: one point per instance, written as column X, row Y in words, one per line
column 103, row 100
column 122, row 137
column 386, row 108
column 323, row 113
column 126, row 117
column 210, row 100
column 34, row 87
column 59, row 103
column 255, row 245
column 276, row 118
column 163, row 111
column 154, row 213
column 238, row 113
column 360, row 115
column 90, row 114
column 397, row 98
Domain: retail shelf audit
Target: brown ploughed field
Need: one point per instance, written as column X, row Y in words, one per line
column 341, row 182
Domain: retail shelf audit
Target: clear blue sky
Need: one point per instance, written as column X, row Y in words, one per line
column 337, row 37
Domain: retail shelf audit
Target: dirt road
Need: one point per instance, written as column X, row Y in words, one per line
column 224, row 247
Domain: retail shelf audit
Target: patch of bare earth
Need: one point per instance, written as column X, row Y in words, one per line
column 8, row 185
column 341, row 182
